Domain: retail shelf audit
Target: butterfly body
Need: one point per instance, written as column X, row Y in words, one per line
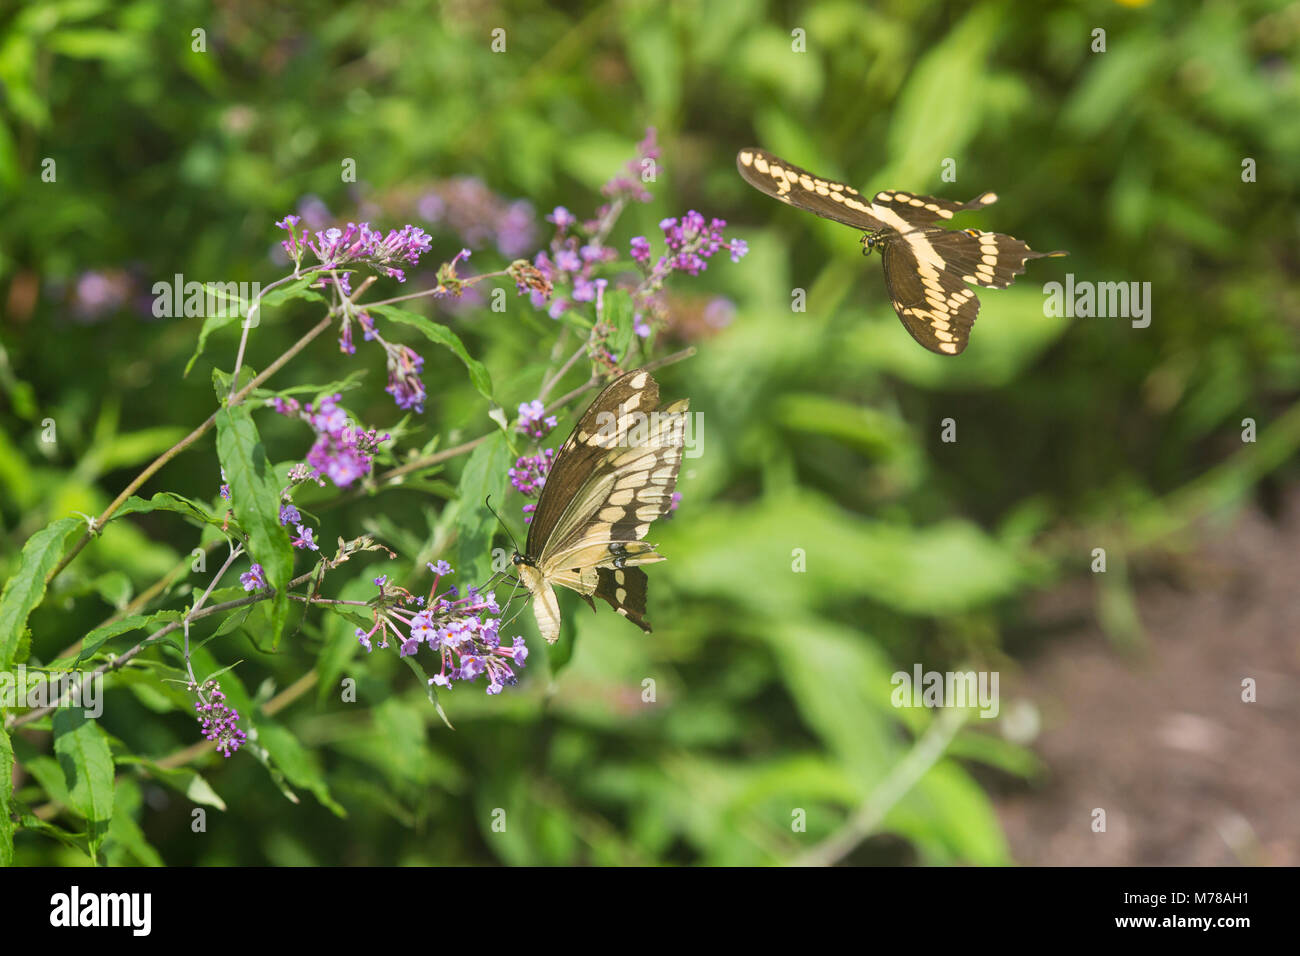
column 613, row 476
column 927, row 268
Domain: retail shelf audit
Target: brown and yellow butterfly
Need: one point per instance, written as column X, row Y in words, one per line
column 612, row 477
column 927, row 268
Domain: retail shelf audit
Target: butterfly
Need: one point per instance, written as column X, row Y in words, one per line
column 926, row 267
column 612, row 477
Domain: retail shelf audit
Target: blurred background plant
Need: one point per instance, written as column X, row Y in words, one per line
column 821, row 427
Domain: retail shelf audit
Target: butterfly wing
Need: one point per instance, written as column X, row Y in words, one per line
column 613, row 476
column 784, row 181
column 916, row 211
column 935, row 306
column 625, row 591
column 630, row 487
column 586, row 445
column 988, row 259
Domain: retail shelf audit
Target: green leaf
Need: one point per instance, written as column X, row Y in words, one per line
column 618, row 313
column 87, row 765
column 441, row 335
column 135, row 622
column 255, row 496
column 484, row 475
column 6, row 798
column 169, row 501
column 124, row 831
column 25, row 590
column 942, row 104
column 189, row 782
column 298, row 763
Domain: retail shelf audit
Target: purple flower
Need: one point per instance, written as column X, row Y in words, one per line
column 404, row 382
column 516, row 233
column 629, row 187
column 533, row 420
column 253, row 579
column 358, row 244
column 562, row 218
column 289, row 515
column 464, row 632
column 720, row 312
column 305, row 539
column 466, row 206
column 641, row 250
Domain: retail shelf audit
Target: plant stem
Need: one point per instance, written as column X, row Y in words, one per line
column 906, row 774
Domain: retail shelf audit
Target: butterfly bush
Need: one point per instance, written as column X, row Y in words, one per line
column 581, row 275
column 464, row 632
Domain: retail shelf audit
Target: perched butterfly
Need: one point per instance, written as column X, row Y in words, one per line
column 612, row 477
column 926, row 267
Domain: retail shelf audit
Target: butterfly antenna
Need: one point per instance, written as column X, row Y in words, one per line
column 488, row 501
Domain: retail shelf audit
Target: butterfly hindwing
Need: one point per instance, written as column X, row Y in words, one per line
column 625, row 591
column 988, row 259
column 935, row 306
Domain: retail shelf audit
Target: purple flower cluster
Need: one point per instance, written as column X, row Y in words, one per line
column 218, row 721
column 630, row 187
column 98, row 293
column 404, row 363
column 570, row 262
column 478, row 216
column 463, row 631
column 691, row 243
column 578, row 249
column 533, row 420
column 528, row 476
column 404, row 382
column 341, row 453
column 357, row 244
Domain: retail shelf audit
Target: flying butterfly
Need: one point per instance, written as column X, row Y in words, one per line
column 612, row 477
column 926, row 267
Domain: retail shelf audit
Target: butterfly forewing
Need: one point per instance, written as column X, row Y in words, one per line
column 798, row 187
column 578, row 456
column 916, row 211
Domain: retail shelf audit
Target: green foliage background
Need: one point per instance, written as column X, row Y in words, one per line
column 821, row 427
